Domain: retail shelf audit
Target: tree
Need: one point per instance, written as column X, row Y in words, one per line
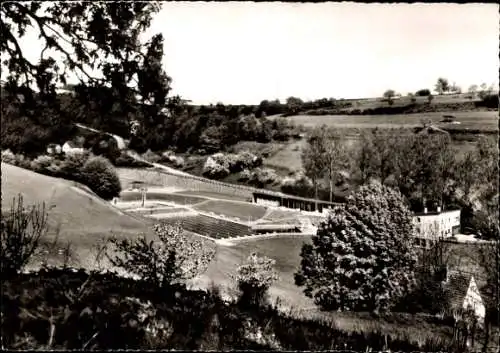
column 423, row 92
column 335, row 158
column 442, row 85
column 254, row 277
column 22, row 232
column 293, row 105
column 455, row 89
column 362, row 256
column 173, row 258
column 119, row 76
column 473, row 90
column 389, row 96
column 313, row 156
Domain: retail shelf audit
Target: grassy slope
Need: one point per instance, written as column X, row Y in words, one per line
column 82, row 217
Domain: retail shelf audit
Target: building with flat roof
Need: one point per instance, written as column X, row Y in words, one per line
column 436, row 225
column 294, row 202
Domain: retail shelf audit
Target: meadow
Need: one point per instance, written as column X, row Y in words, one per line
column 474, row 120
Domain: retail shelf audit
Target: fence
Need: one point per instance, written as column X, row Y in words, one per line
column 161, row 177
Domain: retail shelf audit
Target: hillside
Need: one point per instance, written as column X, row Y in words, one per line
column 82, row 218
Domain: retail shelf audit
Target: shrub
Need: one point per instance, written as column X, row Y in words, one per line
column 248, row 160
column 71, row 166
column 423, row 92
column 215, row 169
column 41, row 163
column 8, row 157
column 254, row 277
column 22, row 230
column 178, row 161
column 299, row 185
column 100, row 176
column 151, row 157
column 266, row 176
column 245, row 175
column 173, row 258
column 488, row 101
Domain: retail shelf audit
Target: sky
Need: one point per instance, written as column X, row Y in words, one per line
column 245, row 52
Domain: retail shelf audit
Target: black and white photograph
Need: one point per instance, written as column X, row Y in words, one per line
column 250, row 176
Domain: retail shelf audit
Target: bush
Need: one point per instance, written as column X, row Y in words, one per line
column 254, row 278
column 215, row 167
column 423, row 92
column 488, row 101
column 100, row 176
column 151, row 157
column 299, row 185
column 71, row 166
column 41, row 163
column 22, row 230
column 266, row 176
column 8, row 157
column 172, row 259
column 248, row 160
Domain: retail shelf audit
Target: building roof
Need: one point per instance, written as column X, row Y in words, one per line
column 456, row 288
column 433, row 213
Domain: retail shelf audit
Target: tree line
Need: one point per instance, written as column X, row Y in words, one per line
column 425, row 168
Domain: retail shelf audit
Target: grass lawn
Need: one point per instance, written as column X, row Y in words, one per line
column 287, row 158
column 286, row 252
column 232, row 209
column 482, row 120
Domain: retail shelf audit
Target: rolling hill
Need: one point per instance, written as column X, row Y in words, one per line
column 77, row 214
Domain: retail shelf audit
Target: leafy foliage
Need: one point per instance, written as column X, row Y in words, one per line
column 361, row 257
column 442, row 85
column 119, row 76
column 173, row 258
column 22, row 230
column 99, row 174
column 69, row 309
column 254, row 277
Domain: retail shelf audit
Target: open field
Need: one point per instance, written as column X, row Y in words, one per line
column 438, row 99
column 476, row 120
column 79, row 216
column 288, row 158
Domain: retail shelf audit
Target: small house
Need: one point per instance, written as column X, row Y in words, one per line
column 53, row 149
column 463, row 294
column 73, row 146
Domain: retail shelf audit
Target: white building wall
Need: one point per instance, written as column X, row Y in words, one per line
column 441, row 225
column 267, row 202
